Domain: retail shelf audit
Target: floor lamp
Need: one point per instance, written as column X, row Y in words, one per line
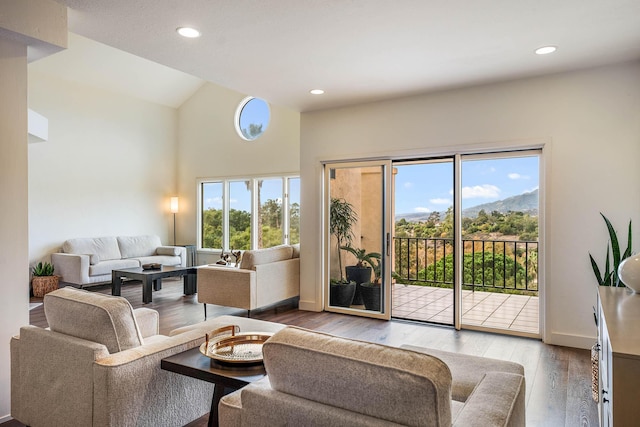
column 174, row 211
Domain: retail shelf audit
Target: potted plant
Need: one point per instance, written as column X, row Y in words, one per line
column 342, row 217
column 359, row 273
column 43, row 280
column 610, row 276
column 371, row 291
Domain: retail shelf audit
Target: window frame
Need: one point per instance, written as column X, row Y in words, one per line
column 226, row 207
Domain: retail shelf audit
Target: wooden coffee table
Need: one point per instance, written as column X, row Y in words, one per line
column 154, row 277
column 194, row 364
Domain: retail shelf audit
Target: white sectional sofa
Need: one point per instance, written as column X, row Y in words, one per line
column 85, row 261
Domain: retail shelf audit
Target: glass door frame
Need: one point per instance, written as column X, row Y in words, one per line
column 386, row 233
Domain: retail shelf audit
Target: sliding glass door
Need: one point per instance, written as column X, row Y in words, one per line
column 450, row 240
column 358, row 238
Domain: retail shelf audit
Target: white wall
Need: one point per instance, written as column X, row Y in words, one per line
column 107, row 169
column 209, row 147
column 41, row 24
column 13, row 218
column 590, row 121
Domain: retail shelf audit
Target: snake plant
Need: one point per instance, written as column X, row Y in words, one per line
column 610, row 275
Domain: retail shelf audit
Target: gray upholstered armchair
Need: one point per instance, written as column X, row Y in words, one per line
column 264, row 277
column 99, row 365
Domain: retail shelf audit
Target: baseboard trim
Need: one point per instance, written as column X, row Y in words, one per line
column 576, row 341
column 6, row 419
column 309, row 306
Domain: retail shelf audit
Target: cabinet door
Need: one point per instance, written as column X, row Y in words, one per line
column 605, row 374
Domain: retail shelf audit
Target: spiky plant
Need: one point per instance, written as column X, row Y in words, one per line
column 610, row 276
column 43, row 269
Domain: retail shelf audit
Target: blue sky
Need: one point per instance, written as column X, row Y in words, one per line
column 240, row 197
column 255, row 111
column 429, row 187
column 419, row 188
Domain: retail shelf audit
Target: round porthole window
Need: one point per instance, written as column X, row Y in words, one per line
column 252, row 118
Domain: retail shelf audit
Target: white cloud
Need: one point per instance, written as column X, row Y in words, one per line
column 422, row 210
column 514, row 175
column 213, row 201
column 408, row 184
column 441, row 201
column 485, row 191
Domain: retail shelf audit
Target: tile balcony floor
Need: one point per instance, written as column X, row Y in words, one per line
column 488, row 309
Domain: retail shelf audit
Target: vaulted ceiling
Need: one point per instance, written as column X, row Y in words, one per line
column 362, row 50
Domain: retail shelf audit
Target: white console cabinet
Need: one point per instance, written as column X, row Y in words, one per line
column 619, row 356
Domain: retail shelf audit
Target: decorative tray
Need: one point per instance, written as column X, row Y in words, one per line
column 152, row 266
column 228, row 345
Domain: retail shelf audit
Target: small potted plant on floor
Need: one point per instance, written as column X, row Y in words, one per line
column 44, row 280
column 360, row 273
column 372, row 291
column 342, row 217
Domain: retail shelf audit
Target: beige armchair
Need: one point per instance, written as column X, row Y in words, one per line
column 99, row 365
column 264, row 277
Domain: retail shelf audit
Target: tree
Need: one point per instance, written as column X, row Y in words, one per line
column 253, row 132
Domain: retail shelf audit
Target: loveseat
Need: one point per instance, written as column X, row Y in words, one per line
column 84, row 261
column 322, row 380
column 264, row 277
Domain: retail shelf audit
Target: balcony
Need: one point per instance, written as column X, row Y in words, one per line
column 500, row 282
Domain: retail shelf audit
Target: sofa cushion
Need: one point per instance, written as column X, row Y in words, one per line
column 400, row 386
column 105, row 267
column 105, row 248
column 159, row 259
column 265, row 256
column 100, row 318
column 138, row 246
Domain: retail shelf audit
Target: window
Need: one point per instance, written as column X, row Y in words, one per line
column 252, row 118
column 227, row 207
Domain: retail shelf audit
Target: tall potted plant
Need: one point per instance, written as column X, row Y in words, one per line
column 360, row 273
column 342, row 218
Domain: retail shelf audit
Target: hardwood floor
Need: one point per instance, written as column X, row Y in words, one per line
column 558, row 378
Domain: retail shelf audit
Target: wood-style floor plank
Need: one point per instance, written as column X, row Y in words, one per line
column 558, row 378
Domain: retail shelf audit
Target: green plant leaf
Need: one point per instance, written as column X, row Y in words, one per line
column 615, row 245
column 596, row 271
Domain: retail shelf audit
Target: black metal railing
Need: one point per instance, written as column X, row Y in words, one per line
column 496, row 264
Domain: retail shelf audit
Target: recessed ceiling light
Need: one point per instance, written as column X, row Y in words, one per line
column 545, row 50
column 316, row 91
column 188, row 32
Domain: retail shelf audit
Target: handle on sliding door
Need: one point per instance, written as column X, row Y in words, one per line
column 388, row 244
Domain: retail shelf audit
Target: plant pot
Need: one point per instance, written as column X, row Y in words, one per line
column 358, row 275
column 42, row 285
column 341, row 294
column 371, row 294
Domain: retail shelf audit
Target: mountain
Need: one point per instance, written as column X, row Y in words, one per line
column 526, row 202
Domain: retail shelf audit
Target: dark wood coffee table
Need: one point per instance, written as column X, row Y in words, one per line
column 194, row 364
column 154, row 277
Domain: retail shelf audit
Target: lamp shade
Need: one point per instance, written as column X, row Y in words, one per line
column 629, row 272
column 174, row 205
